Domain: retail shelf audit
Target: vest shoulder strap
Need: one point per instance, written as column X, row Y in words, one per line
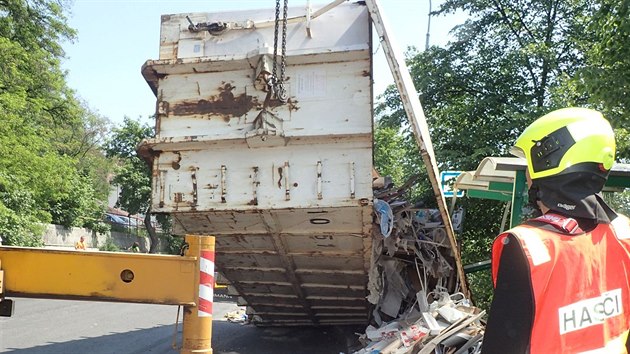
column 558, row 223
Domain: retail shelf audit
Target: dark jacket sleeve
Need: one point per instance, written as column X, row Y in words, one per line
column 511, row 313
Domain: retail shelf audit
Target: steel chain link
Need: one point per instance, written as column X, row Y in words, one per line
column 284, row 42
column 275, row 39
column 281, row 91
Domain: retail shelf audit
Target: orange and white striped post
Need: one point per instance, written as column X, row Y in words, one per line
column 197, row 322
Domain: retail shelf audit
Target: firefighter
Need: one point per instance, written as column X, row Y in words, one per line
column 562, row 280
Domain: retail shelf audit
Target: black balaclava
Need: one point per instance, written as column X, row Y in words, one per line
column 574, row 194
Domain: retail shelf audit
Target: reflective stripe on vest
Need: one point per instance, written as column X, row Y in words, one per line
column 580, row 284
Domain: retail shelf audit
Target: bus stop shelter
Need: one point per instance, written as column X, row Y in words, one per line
column 503, row 179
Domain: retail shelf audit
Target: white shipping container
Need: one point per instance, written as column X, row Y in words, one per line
column 285, row 187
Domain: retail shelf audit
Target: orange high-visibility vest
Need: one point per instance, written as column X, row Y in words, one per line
column 580, row 285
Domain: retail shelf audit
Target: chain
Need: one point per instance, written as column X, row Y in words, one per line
column 284, row 42
column 275, row 40
column 276, row 84
column 281, row 91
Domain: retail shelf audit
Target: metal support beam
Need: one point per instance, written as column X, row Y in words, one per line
column 98, row 276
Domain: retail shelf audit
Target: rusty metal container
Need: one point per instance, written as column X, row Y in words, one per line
column 286, row 187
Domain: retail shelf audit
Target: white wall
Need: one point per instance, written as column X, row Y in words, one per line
column 56, row 236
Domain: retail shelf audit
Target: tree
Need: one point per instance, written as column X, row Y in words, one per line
column 36, row 25
column 48, row 158
column 499, row 74
column 605, row 79
column 133, row 175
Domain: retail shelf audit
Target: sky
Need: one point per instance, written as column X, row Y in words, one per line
column 115, row 37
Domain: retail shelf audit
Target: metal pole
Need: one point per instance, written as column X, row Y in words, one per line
column 426, row 44
column 518, row 198
column 197, row 322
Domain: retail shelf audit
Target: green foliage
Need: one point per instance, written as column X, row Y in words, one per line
column 174, row 243
column 48, row 139
column 135, row 185
column 496, row 77
column 18, row 223
column 36, row 24
column 480, row 284
column 396, row 155
column 391, row 154
column 605, row 79
column 109, row 246
column 619, row 201
column 98, row 226
column 481, row 226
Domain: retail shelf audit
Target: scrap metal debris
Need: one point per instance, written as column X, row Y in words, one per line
column 413, row 283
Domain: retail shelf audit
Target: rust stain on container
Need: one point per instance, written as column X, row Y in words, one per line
column 225, row 104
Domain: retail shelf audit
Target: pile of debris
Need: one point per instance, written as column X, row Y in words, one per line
column 413, row 282
column 237, row 316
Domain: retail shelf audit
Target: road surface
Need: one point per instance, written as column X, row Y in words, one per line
column 68, row 327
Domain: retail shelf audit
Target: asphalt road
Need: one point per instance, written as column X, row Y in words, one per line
column 69, row 327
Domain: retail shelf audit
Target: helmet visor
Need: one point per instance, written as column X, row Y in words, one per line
column 517, row 151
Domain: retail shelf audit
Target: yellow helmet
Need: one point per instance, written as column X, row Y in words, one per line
column 565, row 138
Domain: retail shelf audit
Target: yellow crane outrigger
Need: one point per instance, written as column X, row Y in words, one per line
column 116, row 277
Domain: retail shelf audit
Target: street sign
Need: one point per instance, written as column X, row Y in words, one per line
column 446, row 181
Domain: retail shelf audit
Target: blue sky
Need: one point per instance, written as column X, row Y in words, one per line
column 116, row 37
